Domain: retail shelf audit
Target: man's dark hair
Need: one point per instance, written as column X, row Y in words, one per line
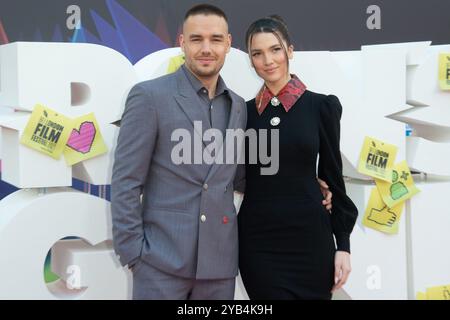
column 205, row 9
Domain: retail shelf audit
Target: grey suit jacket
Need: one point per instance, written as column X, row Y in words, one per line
column 166, row 228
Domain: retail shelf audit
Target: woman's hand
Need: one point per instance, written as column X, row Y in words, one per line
column 327, row 194
column 342, row 269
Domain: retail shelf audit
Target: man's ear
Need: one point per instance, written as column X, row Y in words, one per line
column 181, row 41
column 230, row 40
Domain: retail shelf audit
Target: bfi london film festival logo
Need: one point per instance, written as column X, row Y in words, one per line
column 189, row 150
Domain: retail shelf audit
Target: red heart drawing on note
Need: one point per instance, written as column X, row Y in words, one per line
column 81, row 140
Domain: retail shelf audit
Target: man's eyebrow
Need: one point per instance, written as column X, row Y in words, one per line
column 217, row 35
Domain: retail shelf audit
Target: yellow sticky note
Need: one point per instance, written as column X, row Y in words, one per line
column 379, row 216
column 175, row 63
column 444, row 71
column 377, row 159
column 421, row 296
column 47, row 131
column 85, row 140
column 400, row 188
column 439, row 293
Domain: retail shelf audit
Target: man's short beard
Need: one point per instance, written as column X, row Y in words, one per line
column 201, row 73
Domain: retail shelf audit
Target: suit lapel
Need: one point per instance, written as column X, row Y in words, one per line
column 233, row 123
column 189, row 102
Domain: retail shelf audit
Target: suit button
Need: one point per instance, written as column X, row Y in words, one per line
column 203, row 218
column 205, row 186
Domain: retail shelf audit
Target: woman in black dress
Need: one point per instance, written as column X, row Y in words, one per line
column 286, row 245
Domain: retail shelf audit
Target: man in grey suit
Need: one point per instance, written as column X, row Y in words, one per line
column 180, row 241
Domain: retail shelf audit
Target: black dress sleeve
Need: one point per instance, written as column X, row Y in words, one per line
column 344, row 211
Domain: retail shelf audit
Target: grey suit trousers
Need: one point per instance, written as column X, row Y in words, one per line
column 150, row 283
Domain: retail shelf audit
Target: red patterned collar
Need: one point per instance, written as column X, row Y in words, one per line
column 288, row 96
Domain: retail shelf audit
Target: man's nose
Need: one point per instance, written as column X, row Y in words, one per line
column 206, row 47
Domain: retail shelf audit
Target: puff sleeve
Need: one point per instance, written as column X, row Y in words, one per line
column 344, row 212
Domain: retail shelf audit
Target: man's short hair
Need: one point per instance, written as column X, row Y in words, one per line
column 205, row 9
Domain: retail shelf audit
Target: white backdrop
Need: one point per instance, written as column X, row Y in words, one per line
column 382, row 88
